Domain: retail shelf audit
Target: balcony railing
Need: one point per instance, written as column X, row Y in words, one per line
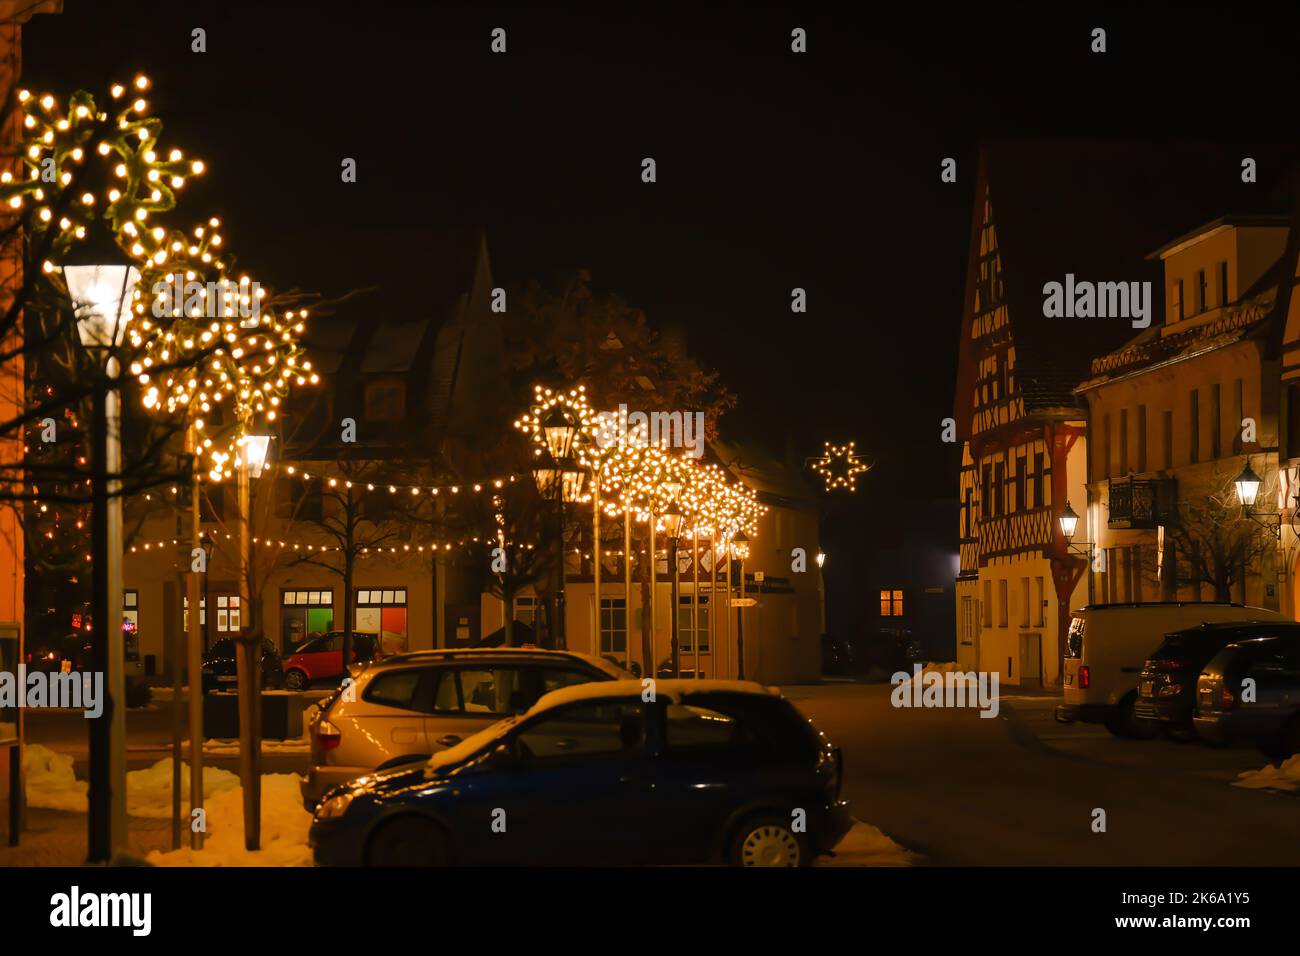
column 1141, row 502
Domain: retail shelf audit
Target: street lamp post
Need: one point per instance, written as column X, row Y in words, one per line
column 740, row 542
column 1069, row 520
column 672, row 527
column 101, row 299
column 561, row 477
column 248, row 664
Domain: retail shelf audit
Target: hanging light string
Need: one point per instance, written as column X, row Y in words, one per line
column 191, row 354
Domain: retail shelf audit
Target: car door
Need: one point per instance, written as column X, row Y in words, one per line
column 581, row 791
column 391, row 713
column 465, row 701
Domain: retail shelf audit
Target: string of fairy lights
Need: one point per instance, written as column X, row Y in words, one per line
column 191, row 358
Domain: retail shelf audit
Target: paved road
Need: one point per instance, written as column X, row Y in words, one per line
column 1021, row 789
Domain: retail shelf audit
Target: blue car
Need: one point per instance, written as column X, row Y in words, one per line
column 609, row 773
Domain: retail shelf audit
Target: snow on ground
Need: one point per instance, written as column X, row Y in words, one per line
column 1283, row 776
column 283, row 837
column 294, row 745
column 865, row 845
column 52, row 784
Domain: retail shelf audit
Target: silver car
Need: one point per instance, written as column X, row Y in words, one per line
column 413, row 705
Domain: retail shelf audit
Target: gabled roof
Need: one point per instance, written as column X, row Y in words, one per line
column 1094, row 210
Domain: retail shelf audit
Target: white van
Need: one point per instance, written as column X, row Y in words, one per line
column 1107, row 645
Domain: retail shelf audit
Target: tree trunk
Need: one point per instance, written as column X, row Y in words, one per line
column 647, row 639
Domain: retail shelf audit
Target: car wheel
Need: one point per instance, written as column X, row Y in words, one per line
column 408, row 841
column 768, row 840
column 1124, row 722
column 295, row 680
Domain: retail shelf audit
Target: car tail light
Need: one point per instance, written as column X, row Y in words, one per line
column 327, row 735
column 1226, row 700
column 1085, row 677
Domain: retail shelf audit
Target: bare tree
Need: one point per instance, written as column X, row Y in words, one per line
column 1215, row 542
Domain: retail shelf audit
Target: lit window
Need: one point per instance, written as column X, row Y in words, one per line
column 891, row 603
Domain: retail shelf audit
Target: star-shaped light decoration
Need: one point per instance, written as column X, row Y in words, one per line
column 840, row 467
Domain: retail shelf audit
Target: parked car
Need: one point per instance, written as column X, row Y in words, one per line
column 1265, row 712
column 425, row 701
column 1105, row 648
column 220, row 667
column 1167, row 683
column 708, row 771
column 321, row 657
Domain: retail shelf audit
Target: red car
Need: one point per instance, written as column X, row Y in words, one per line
column 321, row 658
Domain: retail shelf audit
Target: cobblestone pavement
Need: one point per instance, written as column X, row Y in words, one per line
column 56, row 838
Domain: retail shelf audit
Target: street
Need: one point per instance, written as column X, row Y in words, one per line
column 1020, row 789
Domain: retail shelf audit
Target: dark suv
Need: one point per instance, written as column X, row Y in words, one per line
column 1167, row 682
column 1250, row 691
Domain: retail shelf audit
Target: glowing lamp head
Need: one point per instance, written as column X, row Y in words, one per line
column 1247, row 486
column 101, row 301
column 559, row 432
column 672, row 518
column 1069, row 522
column 821, row 559
column 255, row 449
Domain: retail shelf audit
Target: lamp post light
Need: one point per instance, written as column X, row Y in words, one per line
column 673, row 517
column 1069, row 520
column 560, row 479
column 252, row 460
column 740, row 547
column 101, row 299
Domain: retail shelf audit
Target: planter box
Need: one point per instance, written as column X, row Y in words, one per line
column 281, row 715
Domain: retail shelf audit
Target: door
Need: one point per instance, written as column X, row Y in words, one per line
column 1031, row 666
column 582, row 791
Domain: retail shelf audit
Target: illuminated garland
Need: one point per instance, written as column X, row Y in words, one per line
column 188, row 361
column 840, row 467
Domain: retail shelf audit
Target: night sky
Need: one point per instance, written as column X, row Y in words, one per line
column 775, row 170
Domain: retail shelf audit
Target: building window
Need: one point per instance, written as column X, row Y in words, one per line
column 385, row 400
column 185, row 612
column 304, row 613
column 987, row 615
column 1142, row 439
column 228, row 613
column 1169, row 438
column 1194, row 409
column 298, row 499
column 685, row 631
column 1123, row 441
column 1177, row 300
column 131, row 624
column 613, row 626
column 986, row 491
column 1223, row 283
column 999, row 489
column 1105, row 446
column 382, row 611
column 1002, row 602
column 1021, row 468
column 1216, row 422
column 1039, row 490
column 891, row 603
column 1200, row 291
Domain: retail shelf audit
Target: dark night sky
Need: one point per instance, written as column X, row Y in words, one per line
column 775, row 170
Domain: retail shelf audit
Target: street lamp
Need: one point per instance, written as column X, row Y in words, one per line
column 1069, row 522
column 740, row 547
column 821, row 559
column 1247, row 487
column 101, row 301
column 248, row 669
column 673, row 517
column 560, row 479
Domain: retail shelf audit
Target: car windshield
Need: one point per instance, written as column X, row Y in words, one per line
column 470, row 745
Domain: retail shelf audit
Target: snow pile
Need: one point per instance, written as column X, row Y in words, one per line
column 865, row 845
column 927, row 667
column 1283, row 776
column 53, row 785
column 284, row 830
column 294, row 745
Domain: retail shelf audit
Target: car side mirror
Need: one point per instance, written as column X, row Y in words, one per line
column 504, row 757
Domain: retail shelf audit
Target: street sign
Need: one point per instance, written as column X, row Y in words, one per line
column 743, row 602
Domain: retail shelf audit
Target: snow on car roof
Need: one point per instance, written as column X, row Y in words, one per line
column 673, row 689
